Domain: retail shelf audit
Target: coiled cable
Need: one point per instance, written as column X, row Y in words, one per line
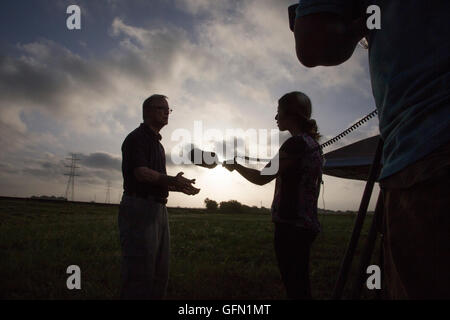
column 328, row 142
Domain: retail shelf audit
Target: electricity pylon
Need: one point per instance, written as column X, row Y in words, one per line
column 72, row 175
column 108, row 189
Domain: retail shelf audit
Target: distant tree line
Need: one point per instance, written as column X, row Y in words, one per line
column 49, row 198
column 232, row 206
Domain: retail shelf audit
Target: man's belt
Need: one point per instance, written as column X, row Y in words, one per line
column 148, row 197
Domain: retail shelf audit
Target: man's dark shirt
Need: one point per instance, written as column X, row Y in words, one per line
column 141, row 148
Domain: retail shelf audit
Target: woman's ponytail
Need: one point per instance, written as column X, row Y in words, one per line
column 311, row 128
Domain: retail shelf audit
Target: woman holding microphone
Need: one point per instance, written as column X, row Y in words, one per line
column 294, row 206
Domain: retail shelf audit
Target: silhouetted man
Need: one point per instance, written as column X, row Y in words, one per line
column 410, row 71
column 143, row 224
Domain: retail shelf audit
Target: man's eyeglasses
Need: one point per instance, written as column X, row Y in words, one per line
column 164, row 109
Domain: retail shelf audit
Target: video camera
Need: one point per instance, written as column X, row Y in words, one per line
column 292, row 14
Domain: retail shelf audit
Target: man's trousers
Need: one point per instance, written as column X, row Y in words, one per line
column 145, row 242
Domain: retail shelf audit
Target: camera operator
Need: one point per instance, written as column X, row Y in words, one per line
column 409, row 61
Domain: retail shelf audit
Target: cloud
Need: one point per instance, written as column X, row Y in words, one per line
column 91, row 168
column 227, row 71
column 45, row 169
column 237, row 61
column 8, row 168
column 198, row 7
column 100, row 160
column 47, row 76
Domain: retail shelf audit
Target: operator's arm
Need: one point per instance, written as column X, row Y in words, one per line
column 327, row 39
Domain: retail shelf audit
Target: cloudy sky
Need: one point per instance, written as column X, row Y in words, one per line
column 223, row 64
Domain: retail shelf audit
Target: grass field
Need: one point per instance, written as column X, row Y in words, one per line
column 213, row 256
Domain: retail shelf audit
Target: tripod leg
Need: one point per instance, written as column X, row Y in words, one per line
column 368, row 250
column 347, row 261
column 381, row 264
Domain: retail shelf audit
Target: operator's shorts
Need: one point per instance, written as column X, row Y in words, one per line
column 416, row 227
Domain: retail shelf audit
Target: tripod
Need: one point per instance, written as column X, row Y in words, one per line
column 372, row 236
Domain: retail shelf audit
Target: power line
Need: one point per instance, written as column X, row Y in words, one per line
column 72, row 175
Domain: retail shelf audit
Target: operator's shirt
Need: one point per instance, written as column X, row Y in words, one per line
column 142, row 148
column 409, row 61
column 297, row 189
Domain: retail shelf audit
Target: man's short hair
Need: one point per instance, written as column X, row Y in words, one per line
column 150, row 100
column 148, row 103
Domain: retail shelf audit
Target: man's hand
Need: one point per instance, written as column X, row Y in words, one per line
column 185, row 185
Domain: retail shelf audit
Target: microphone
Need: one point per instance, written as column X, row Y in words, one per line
column 204, row 159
